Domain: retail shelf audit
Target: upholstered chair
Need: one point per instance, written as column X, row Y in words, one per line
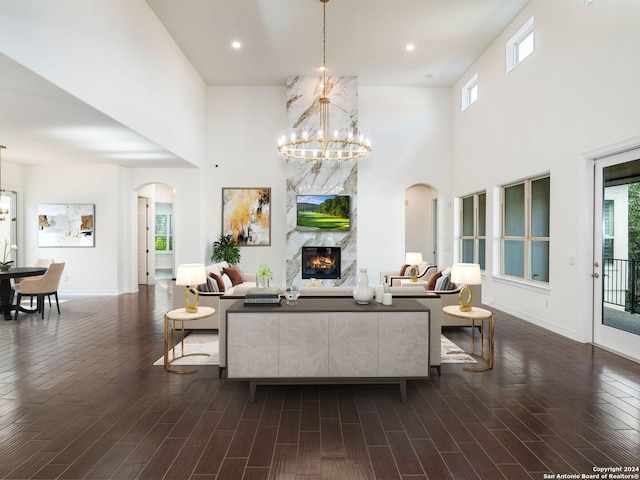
column 41, row 287
column 40, row 263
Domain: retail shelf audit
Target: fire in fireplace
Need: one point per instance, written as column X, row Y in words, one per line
column 321, row 262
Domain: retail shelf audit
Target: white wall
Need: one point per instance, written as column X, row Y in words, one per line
column 116, row 56
column 410, row 131
column 88, row 270
column 244, row 126
column 573, row 95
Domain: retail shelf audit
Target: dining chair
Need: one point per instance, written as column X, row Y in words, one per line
column 41, row 287
column 40, row 263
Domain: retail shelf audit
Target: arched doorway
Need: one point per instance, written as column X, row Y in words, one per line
column 421, row 221
column 156, row 247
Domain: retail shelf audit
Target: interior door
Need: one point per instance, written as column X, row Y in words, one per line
column 143, row 245
column 616, row 263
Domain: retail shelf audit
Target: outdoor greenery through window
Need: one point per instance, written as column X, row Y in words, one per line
column 473, row 229
column 164, row 233
column 525, row 229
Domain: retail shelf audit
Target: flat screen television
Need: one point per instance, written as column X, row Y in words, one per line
column 323, row 213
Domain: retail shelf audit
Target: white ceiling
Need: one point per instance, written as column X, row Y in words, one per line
column 364, row 38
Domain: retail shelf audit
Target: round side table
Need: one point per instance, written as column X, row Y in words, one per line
column 174, row 316
column 479, row 314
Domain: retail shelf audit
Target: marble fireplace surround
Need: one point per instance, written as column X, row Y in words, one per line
column 322, row 177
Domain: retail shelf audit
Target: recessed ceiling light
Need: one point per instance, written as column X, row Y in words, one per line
column 410, row 47
column 236, row 44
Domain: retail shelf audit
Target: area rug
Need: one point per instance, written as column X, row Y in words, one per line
column 196, row 342
column 451, row 353
column 207, row 342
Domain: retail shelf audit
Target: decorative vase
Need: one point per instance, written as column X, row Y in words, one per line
column 4, row 268
column 363, row 293
column 262, row 282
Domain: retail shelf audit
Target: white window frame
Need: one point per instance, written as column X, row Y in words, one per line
column 168, row 236
column 513, row 59
column 467, row 92
column 475, row 236
column 527, row 238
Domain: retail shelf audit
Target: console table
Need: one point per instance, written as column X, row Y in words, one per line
column 318, row 340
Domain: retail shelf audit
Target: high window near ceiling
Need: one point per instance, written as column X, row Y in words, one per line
column 521, row 45
column 469, row 92
column 524, row 242
column 473, row 214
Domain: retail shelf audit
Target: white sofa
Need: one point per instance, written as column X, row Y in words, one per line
column 211, row 298
column 394, row 279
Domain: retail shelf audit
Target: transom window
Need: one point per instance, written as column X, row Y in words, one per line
column 521, row 45
column 525, row 229
column 473, row 214
column 470, row 92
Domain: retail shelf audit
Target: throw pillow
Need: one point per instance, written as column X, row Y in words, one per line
column 219, row 281
column 234, row 274
column 442, row 283
column 203, row 287
column 403, row 269
column 213, row 284
column 227, row 282
column 431, row 284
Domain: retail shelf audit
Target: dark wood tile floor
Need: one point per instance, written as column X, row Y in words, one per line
column 80, row 398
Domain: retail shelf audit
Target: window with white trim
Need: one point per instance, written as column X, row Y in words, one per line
column 163, row 230
column 524, row 243
column 473, row 240
column 521, row 45
column 470, row 92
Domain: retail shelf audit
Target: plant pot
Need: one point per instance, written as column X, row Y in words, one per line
column 262, row 282
column 4, row 268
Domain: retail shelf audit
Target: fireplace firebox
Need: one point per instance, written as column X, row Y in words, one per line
column 321, row 262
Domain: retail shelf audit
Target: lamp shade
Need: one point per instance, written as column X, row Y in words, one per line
column 191, row 274
column 413, row 258
column 466, row 273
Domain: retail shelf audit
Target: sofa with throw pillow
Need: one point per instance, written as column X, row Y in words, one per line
column 222, row 279
column 394, row 279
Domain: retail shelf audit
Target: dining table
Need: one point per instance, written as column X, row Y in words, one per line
column 6, row 305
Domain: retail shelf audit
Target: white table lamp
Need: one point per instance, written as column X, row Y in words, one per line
column 190, row 275
column 465, row 274
column 413, row 259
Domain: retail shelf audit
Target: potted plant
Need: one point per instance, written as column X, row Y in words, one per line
column 8, row 250
column 225, row 250
column 263, row 275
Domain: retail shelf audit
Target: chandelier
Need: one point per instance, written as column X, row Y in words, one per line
column 325, row 146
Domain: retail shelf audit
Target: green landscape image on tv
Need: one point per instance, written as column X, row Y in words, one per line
column 323, row 212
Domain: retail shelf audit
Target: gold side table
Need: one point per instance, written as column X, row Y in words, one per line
column 174, row 316
column 481, row 315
